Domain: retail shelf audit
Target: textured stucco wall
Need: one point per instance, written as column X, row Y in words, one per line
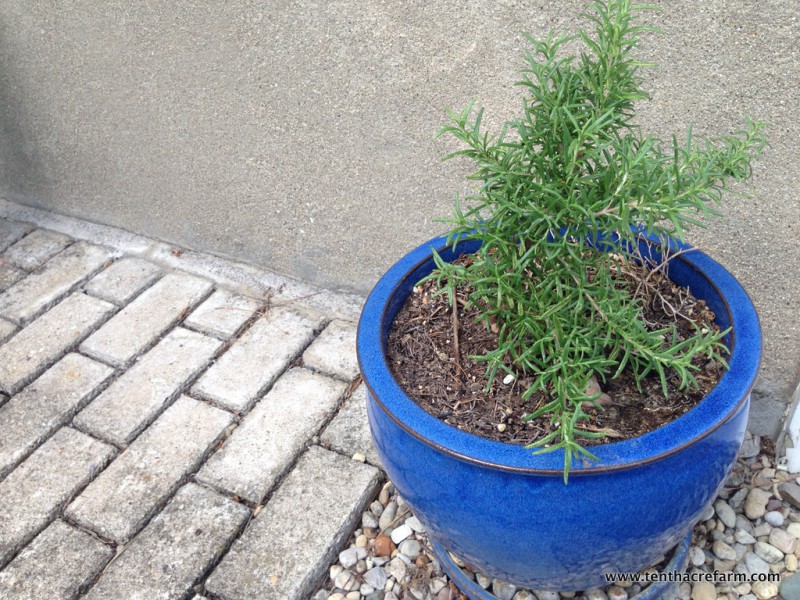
column 298, row 135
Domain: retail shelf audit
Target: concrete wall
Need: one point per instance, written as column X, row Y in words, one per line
column 298, row 135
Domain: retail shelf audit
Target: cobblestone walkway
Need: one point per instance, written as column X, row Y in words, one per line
column 174, row 425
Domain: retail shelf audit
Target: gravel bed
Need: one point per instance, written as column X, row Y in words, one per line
column 752, row 528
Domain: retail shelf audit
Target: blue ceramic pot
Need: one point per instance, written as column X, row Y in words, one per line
column 508, row 513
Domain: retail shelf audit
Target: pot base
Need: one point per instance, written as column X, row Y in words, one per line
column 662, row 590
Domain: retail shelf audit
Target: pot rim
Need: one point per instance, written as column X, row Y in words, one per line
column 720, row 404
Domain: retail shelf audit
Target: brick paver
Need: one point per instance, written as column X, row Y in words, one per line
column 32, row 494
column 144, row 320
column 9, row 274
column 257, row 359
column 114, row 481
column 11, row 231
column 270, row 436
column 56, row 564
column 30, row 296
column 134, row 400
column 48, row 338
column 123, row 280
column 7, row 328
column 334, row 351
column 35, row 249
column 348, row 432
column 36, row 412
column 285, row 551
column 175, row 548
column 223, row 314
column 126, row 494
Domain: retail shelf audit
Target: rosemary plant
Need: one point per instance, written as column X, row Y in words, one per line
column 572, row 168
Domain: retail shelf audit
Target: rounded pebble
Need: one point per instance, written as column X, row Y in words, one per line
column 503, row 590
column 368, row 521
column 723, row 551
column 410, row 548
column 774, row 518
column 790, row 587
column 768, row 552
column 696, row 556
column 755, row 506
column 387, row 516
column 791, row 562
column 764, row 590
column 383, row 546
column 783, row 541
column 401, row 533
column 347, row 558
column 376, row 577
column 397, row 569
column 725, row 513
column 743, row 537
column 704, row 590
column 616, row 593
column 483, row 581
column 346, row 580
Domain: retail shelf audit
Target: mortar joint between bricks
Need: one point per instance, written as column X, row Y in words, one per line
column 116, row 445
column 52, row 360
column 24, row 322
column 229, row 340
column 69, row 422
column 223, row 492
column 199, row 582
column 41, row 266
column 58, row 513
column 168, row 402
column 188, row 477
column 116, row 258
column 86, row 529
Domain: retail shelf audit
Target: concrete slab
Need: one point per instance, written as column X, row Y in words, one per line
column 9, row 274
column 276, row 558
column 121, row 500
column 175, row 549
column 32, row 251
column 48, row 338
column 31, row 296
column 137, row 326
column 272, row 434
column 123, row 281
column 334, row 351
column 57, row 564
column 256, row 359
column 36, row 490
column 36, row 412
column 134, row 400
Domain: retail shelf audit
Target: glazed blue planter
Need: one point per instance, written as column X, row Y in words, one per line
column 508, row 513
